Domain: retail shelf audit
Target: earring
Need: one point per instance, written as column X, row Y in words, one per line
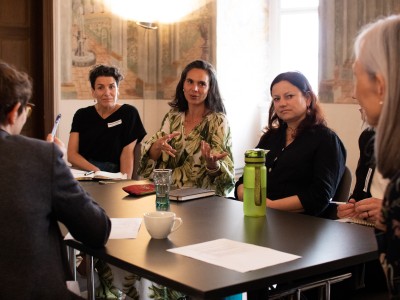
column 94, row 100
column 308, row 110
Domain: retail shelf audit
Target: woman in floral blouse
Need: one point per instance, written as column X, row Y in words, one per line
column 194, row 140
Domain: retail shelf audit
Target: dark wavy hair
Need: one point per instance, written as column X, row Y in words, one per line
column 314, row 115
column 15, row 86
column 213, row 101
column 103, row 70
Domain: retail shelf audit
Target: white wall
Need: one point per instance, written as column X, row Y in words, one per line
column 345, row 120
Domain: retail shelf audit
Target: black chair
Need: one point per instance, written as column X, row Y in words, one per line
column 343, row 190
column 342, row 195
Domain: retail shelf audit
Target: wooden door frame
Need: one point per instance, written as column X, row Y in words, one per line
column 48, row 65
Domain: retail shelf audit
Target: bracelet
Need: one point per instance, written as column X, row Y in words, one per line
column 212, row 171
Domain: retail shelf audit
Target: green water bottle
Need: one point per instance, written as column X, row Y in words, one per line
column 254, row 183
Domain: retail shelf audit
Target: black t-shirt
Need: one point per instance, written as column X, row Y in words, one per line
column 103, row 139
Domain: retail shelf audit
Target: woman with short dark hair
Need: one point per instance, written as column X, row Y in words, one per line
column 104, row 135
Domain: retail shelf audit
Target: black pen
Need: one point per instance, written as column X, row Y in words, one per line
column 88, row 173
column 56, row 122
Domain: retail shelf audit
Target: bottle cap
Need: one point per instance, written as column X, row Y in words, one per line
column 255, row 156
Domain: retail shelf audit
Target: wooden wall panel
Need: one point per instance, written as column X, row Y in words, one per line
column 14, row 12
column 21, row 44
column 16, row 52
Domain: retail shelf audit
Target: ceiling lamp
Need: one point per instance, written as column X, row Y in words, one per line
column 147, row 25
column 149, row 12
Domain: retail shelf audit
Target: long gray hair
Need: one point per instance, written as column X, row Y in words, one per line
column 377, row 47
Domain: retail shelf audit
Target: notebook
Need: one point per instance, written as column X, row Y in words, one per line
column 356, row 221
column 98, row 175
column 185, row 194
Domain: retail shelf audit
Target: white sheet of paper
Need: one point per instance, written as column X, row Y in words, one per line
column 121, row 228
column 235, row 255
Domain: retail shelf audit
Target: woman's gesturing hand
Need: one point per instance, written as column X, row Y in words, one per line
column 211, row 158
column 164, row 146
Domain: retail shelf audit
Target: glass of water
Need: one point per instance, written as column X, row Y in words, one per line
column 162, row 182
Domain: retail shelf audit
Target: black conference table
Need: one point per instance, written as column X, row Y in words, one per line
column 324, row 245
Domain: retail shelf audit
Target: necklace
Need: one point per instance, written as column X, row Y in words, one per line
column 290, row 134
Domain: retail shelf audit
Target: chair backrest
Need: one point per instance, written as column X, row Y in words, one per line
column 341, row 195
column 137, row 154
column 343, row 190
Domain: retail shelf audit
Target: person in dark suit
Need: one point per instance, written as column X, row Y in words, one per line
column 38, row 191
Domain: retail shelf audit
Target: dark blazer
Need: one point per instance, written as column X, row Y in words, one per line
column 37, row 192
column 365, row 167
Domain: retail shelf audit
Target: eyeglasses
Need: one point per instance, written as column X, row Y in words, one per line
column 29, row 107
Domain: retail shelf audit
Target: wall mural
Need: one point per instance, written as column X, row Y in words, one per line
column 340, row 21
column 150, row 59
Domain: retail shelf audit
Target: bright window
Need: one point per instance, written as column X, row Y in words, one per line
column 299, row 38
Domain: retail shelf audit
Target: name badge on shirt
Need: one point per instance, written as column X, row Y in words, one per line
column 115, row 123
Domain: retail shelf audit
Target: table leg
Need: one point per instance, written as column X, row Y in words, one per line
column 328, row 290
column 90, row 277
column 72, row 261
column 257, row 295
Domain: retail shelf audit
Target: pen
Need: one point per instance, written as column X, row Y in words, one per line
column 56, row 122
column 88, row 173
column 340, row 203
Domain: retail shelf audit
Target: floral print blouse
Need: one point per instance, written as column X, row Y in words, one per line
column 189, row 167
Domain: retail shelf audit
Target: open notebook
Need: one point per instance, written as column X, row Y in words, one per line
column 99, row 175
column 356, row 221
column 185, row 194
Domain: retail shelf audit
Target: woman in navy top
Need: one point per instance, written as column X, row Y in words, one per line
column 306, row 159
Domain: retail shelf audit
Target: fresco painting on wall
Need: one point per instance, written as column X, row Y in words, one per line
column 150, row 59
column 340, row 21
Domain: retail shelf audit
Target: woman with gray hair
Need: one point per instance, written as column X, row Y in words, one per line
column 377, row 89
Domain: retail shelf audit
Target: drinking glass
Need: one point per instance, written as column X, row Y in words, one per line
column 162, row 182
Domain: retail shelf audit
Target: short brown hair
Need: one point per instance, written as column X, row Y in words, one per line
column 15, row 86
